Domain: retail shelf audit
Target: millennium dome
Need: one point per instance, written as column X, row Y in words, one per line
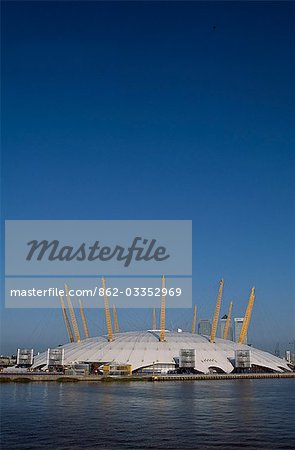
column 143, row 351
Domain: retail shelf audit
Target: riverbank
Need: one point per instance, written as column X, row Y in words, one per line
column 47, row 377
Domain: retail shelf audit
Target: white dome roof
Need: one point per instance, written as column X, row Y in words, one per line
column 142, row 349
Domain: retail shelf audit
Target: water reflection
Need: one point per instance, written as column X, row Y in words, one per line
column 223, row 414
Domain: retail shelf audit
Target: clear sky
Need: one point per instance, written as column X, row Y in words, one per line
column 157, row 110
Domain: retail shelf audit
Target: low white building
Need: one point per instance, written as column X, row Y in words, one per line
column 144, row 351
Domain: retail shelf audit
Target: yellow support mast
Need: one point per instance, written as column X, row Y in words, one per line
column 226, row 327
column 86, row 333
column 217, row 311
column 194, row 320
column 162, row 317
column 247, row 317
column 107, row 311
column 66, row 319
column 116, row 324
column 73, row 316
column 154, row 319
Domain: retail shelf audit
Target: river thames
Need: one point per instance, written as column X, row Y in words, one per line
column 252, row 414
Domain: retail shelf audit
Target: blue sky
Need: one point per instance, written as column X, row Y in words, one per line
column 143, row 110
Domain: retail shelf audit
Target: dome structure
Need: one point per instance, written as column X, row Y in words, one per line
column 143, row 350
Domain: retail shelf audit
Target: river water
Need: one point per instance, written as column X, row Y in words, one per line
column 223, row 414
